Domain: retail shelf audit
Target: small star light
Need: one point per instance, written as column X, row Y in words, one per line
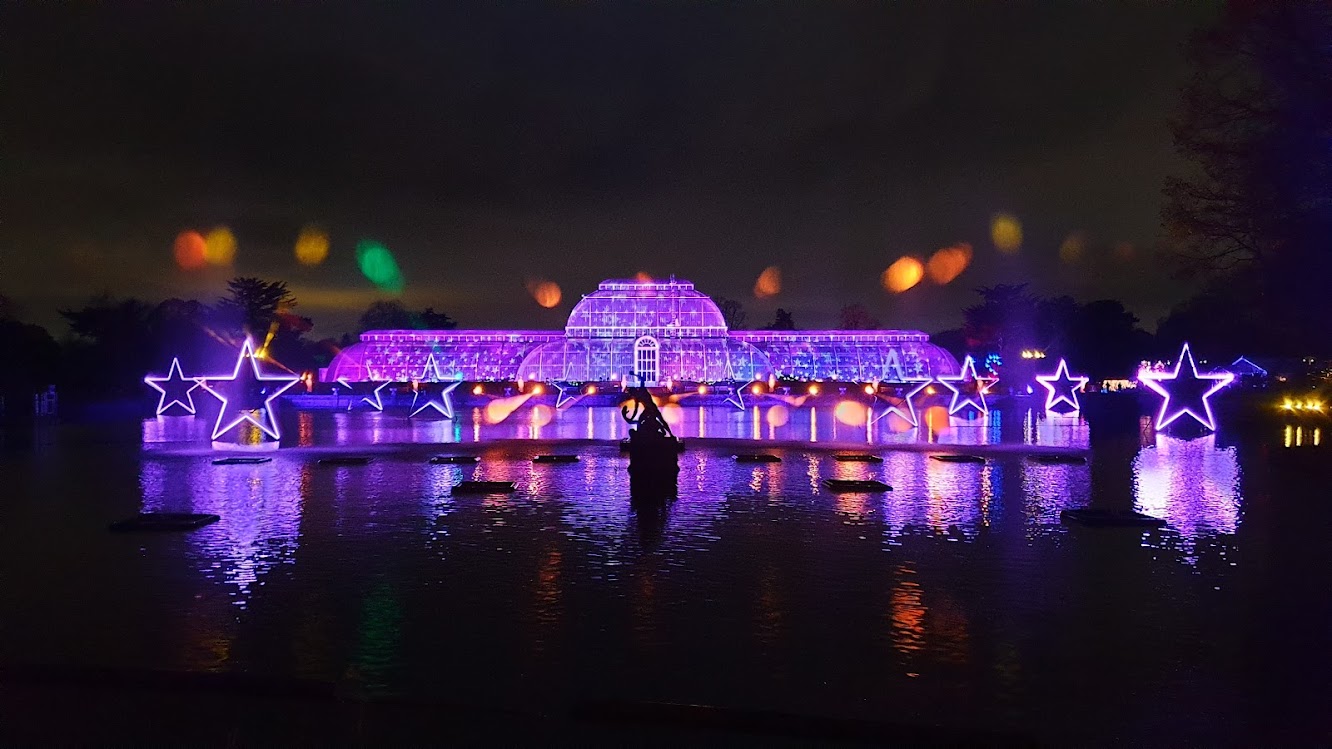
column 375, row 399
column 432, row 380
column 1187, row 391
column 1061, row 387
column 737, row 395
column 248, row 392
column 909, row 394
column 976, row 386
column 175, row 389
column 567, row 393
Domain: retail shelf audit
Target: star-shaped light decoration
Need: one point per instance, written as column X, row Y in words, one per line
column 910, row 391
column 1187, row 393
column 567, row 393
column 248, row 392
column 737, row 395
column 1061, row 387
column 430, row 381
column 375, row 400
column 175, row 389
column 976, row 386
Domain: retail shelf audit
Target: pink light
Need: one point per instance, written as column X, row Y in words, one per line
column 248, row 380
column 175, row 381
column 1061, row 387
column 982, row 384
column 1202, row 415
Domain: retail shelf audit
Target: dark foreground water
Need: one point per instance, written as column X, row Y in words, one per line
column 959, row 599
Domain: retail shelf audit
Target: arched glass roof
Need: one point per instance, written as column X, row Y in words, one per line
column 631, row 308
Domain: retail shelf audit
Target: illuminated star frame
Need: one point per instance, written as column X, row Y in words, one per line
column 567, row 393
column 737, row 395
column 269, row 425
column 375, row 400
column 960, row 401
column 1166, row 416
column 1061, row 387
column 175, row 383
column 910, row 413
column 441, row 402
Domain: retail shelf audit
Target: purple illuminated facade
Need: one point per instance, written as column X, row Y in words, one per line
column 663, row 330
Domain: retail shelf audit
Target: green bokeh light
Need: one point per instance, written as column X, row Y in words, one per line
column 378, row 265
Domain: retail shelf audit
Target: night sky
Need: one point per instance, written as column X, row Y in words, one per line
column 492, row 145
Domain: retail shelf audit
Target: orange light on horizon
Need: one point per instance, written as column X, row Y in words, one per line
column 769, row 282
column 477, row 390
column 538, row 389
column 756, row 388
column 702, row 389
column 869, row 390
column 904, row 273
column 814, row 389
column 591, row 390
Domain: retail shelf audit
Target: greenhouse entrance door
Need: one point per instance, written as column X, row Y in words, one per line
column 647, row 360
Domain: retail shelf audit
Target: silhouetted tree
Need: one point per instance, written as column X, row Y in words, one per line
column 1258, row 203
column 392, row 315
column 732, row 311
column 432, row 320
column 1105, row 341
column 112, row 345
column 782, row 321
column 253, row 305
column 33, row 359
column 856, row 317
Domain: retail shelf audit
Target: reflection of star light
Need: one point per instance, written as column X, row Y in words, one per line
column 440, row 401
column 1187, row 389
column 977, row 399
column 737, row 395
column 175, row 389
column 253, row 395
column 567, row 393
column 1061, row 387
column 910, row 413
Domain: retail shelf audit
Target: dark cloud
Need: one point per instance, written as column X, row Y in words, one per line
column 494, row 142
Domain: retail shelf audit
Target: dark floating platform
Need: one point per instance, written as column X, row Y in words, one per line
column 438, row 459
column 1067, row 460
column 858, row 458
column 555, row 459
column 856, row 485
column 958, row 458
column 346, row 460
column 241, row 461
column 483, row 487
column 163, row 521
column 1098, row 518
column 757, row 458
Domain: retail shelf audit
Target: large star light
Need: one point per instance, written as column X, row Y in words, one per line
column 567, row 393
column 737, row 395
column 1187, row 392
column 435, row 391
column 908, row 398
column 375, row 400
column 976, row 386
column 1061, row 387
column 248, row 392
column 175, row 389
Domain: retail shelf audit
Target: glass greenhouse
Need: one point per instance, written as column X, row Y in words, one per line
column 661, row 330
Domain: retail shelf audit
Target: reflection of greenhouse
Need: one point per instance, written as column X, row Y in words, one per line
column 662, row 330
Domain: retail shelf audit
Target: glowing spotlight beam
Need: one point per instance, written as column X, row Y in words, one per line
column 1186, row 393
column 251, row 395
column 981, row 386
column 1061, row 387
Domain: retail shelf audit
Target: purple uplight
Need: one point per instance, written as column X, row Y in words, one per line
column 173, row 389
column 252, row 395
column 1061, row 387
column 1186, row 387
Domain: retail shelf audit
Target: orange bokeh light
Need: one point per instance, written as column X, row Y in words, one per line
column 1006, row 232
column 778, row 416
column 756, row 388
column 477, row 390
column 542, row 415
column 949, row 262
column 1070, row 251
column 850, row 413
column 869, row 390
column 546, row 293
column 189, row 250
column 672, row 413
column 769, row 282
column 642, row 277
column 903, row 274
column 814, row 389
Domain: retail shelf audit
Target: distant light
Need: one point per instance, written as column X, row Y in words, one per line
column 1072, row 248
column 311, row 246
column 869, row 390
column 537, row 389
column 814, row 389
column 929, row 390
column 378, row 265
column 1006, row 232
column 904, row 273
column 948, row 263
column 769, row 282
column 477, row 390
column 546, row 293
column 591, row 390
column 190, row 250
column 220, row 246
column 702, row 389
column 756, row 388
